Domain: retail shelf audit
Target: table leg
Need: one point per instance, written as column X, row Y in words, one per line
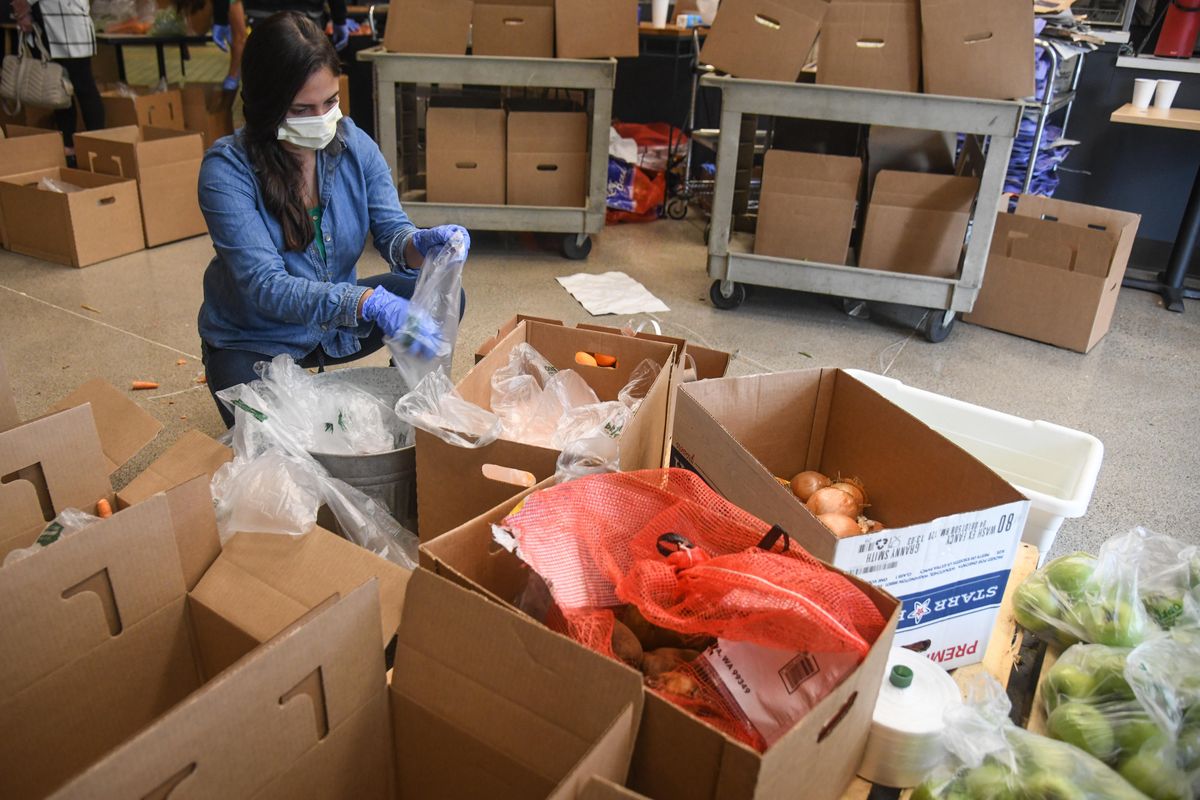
column 160, row 50
column 1181, row 252
column 120, row 63
column 185, row 55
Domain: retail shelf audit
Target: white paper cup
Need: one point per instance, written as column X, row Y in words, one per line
column 658, row 13
column 1143, row 90
column 1164, row 95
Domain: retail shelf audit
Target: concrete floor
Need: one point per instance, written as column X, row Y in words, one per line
column 1136, row 390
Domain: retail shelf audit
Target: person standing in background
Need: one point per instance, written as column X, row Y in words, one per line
column 224, row 30
column 71, row 38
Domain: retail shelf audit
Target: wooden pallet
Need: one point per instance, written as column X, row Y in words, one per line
column 1009, row 658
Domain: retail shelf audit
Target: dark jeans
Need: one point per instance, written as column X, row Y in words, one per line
column 79, row 70
column 225, row 368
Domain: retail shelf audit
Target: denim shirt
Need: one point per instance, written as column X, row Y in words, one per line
column 263, row 298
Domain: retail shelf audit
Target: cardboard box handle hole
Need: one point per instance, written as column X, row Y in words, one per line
column 513, row 477
column 35, row 476
column 311, row 687
column 976, row 38
column 838, row 717
column 1095, row 227
column 99, row 584
column 870, row 43
column 1049, row 217
column 547, row 167
column 106, row 201
column 169, row 786
column 513, row 21
column 466, row 165
column 767, row 22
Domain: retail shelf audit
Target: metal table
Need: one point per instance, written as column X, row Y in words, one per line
column 159, row 43
column 730, row 260
column 595, row 77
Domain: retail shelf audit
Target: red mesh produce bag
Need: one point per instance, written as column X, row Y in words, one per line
column 688, row 559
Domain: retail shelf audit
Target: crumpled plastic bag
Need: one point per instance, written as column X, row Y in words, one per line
column 987, row 756
column 1137, row 585
column 62, row 187
column 530, row 396
column 433, row 314
column 67, row 522
column 435, row 406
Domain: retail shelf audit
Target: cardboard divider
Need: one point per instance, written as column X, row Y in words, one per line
column 820, row 189
column 916, row 223
column 874, row 44
column 763, row 39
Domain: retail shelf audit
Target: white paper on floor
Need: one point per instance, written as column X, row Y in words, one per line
column 611, row 293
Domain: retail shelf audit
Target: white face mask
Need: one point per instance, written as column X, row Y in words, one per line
column 312, row 133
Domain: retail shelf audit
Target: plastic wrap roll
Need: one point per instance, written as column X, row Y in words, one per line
column 905, row 740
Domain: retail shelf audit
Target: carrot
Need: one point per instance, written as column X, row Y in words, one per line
column 103, row 508
column 603, row 360
column 137, row 385
column 180, row 362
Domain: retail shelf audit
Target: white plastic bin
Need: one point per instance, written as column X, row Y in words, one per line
column 1055, row 467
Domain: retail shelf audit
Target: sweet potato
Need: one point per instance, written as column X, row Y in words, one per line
column 657, row 662
column 626, row 646
column 677, row 683
column 653, row 637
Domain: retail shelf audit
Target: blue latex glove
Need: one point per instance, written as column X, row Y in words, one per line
column 341, row 36
column 221, row 37
column 386, row 310
column 353, row 26
column 425, row 239
column 415, row 332
column 230, row 84
column 420, row 335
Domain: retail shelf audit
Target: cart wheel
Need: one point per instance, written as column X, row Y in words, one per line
column 858, row 309
column 677, row 208
column 735, row 297
column 937, row 327
column 576, row 247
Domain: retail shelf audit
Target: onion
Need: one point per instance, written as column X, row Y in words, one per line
column 854, row 488
column 805, row 484
column 832, row 501
column 841, row 525
column 869, row 525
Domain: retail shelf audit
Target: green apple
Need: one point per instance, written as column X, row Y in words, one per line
column 1157, row 780
column 923, row 792
column 1034, row 604
column 1108, row 679
column 1083, row 726
column 1188, row 749
column 1050, row 786
column 1070, row 573
column 1133, row 735
column 1120, row 625
column 990, row 780
column 1165, row 608
column 1067, row 681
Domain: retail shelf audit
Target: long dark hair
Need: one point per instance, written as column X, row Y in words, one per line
column 281, row 55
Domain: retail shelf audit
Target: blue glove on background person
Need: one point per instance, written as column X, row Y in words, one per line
column 425, row 239
column 341, row 36
column 415, row 332
column 230, row 84
column 221, row 37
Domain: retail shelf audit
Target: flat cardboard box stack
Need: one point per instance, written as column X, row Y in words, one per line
column 1054, row 272
column 917, row 223
column 465, row 155
column 875, row 44
column 817, row 759
column 455, row 484
column 207, row 110
column 547, row 158
column 523, row 29
column 23, row 149
column 951, row 524
column 766, row 40
column 807, row 206
column 977, row 48
column 145, row 107
column 166, row 164
column 101, row 221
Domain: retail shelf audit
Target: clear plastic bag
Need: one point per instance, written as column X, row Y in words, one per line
column 639, row 383
column 433, row 314
column 435, row 406
column 530, row 396
column 62, row 187
column 588, row 456
column 68, row 522
column 1139, row 584
column 607, row 420
column 990, row 757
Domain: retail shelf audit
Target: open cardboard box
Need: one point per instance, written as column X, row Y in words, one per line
column 465, row 155
column 208, row 110
column 23, row 149
column 952, row 525
column 147, row 107
column 816, row 759
column 521, row 28
column 596, row 28
column 694, row 361
column 874, row 44
column 166, row 165
column 766, row 40
column 191, row 455
column 917, row 222
column 820, row 189
column 1054, row 272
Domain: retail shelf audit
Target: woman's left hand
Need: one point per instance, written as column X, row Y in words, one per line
column 425, row 239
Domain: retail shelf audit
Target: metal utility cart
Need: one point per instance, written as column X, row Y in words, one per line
column 595, row 77
column 731, row 262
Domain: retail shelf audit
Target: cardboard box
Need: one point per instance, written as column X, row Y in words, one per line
column 977, row 48
column 952, row 524
column 875, row 44
column 192, row 454
column 822, row 191
column 304, row 716
column 344, row 94
column 23, row 149
column 166, row 164
column 147, row 108
column 207, row 110
column 441, row 27
column 479, row 690
column 909, row 150
column 9, row 418
column 453, row 483
column 465, row 155
column 596, row 28
column 547, row 158
column 1054, row 272
column 916, row 223
column 817, row 759
column 524, row 29
column 30, row 117
column 79, row 229
column 695, row 362
column 764, row 39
